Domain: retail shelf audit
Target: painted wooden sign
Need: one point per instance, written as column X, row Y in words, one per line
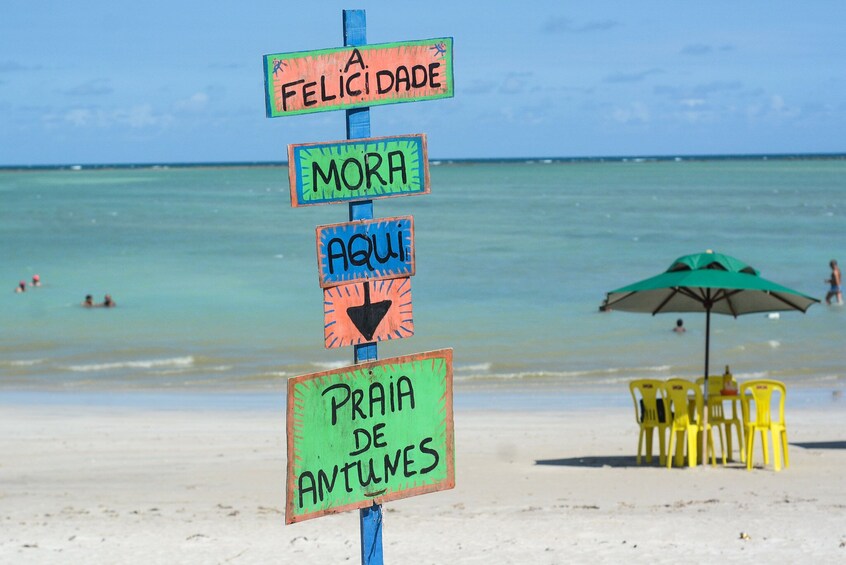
column 365, row 250
column 371, row 432
column 367, row 312
column 359, row 169
column 355, row 77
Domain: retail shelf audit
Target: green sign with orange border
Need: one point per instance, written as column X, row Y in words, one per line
column 369, row 433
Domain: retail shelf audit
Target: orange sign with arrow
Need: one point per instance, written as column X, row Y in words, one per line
column 367, row 312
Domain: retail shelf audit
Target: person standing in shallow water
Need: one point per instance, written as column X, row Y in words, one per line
column 679, row 329
column 836, row 282
column 88, row 302
column 108, row 302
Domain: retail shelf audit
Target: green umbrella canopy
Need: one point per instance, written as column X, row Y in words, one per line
column 707, row 282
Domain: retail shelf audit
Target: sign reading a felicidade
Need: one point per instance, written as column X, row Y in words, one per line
column 371, row 432
column 355, row 77
column 359, row 169
column 365, row 250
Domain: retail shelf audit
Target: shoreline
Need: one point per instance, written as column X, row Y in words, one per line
column 511, row 397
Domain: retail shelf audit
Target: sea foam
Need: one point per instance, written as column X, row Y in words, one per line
column 181, row 362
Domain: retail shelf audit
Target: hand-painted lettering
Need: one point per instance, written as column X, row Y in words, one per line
column 379, row 167
column 364, row 439
column 399, row 80
column 424, row 447
column 370, row 433
column 355, row 172
column 365, row 250
column 360, row 249
column 402, row 80
column 360, row 76
column 408, row 461
column 400, row 395
column 355, row 59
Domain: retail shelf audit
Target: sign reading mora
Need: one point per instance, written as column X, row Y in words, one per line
column 355, row 77
column 371, row 432
column 360, row 169
column 365, row 250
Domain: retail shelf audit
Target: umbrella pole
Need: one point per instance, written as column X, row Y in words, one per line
column 707, row 340
column 705, row 386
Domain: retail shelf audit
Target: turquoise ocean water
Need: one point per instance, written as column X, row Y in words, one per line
column 215, row 275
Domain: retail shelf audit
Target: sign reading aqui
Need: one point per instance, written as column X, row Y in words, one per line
column 365, row 250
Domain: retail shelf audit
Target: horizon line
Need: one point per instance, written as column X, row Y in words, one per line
column 449, row 160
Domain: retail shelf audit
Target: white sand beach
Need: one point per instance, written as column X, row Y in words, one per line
column 81, row 484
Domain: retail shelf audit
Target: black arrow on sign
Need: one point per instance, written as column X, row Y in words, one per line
column 368, row 316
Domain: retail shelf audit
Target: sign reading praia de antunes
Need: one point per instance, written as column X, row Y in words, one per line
column 371, row 432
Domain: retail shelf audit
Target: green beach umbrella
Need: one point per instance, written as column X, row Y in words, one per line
column 711, row 283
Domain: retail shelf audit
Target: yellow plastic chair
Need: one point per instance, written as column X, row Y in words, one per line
column 759, row 416
column 685, row 406
column 718, row 418
column 650, row 412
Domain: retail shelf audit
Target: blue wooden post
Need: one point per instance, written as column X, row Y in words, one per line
column 358, row 126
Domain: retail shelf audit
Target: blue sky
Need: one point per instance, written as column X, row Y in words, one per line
column 181, row 80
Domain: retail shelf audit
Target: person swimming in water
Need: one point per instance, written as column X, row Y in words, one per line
column 108, row 302
column 36, row 281
column 21, row 287
column 88, row 302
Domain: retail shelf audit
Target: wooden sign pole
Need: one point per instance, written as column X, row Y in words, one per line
column 358, row 126
column 373, row 289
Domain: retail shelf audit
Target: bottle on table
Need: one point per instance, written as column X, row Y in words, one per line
column 729, row 384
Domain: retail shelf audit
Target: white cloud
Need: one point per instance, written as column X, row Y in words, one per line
column 632, row 77
column 477, row 86
column 197, row 102
column 780, row 108
column 515, row 83
column 9, row 66
column 136, row 117
column 694, row 110
column 566, row 25
column 774, row 108
column 141, row 116
column 78, row 116
column 696, row 116
column 93, row 87
column 636, row 112
column 696, row 49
